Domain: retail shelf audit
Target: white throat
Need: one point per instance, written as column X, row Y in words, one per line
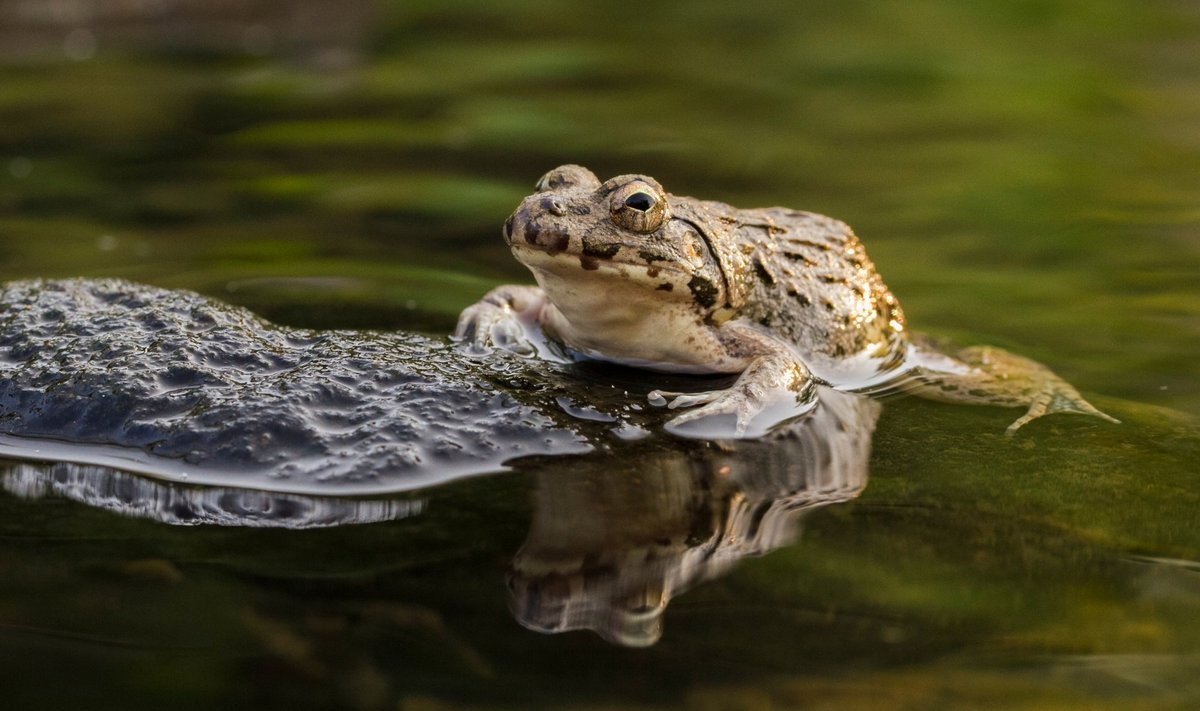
column 615, row 313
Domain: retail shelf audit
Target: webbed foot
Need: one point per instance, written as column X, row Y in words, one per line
column 1065, row 400
column 775, row 382
column 986, row 375
column 495, row 321
column 714, row 403
column 484, row 326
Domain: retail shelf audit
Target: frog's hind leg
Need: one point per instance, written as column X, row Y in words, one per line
column 985, row 375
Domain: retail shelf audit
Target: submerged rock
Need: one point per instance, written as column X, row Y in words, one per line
column 180, row 386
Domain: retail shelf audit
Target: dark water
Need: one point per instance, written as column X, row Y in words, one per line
column 1024, row 174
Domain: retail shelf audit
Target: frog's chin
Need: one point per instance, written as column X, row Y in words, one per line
column 658, row 277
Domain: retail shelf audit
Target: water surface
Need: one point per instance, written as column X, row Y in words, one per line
column 1023, row 174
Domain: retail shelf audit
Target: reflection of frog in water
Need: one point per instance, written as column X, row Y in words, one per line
column 610, row 546
column 631, row 274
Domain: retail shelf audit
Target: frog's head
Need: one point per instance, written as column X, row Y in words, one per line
column 575, row 232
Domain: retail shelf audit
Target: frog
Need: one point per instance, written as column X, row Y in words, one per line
column 783, row 301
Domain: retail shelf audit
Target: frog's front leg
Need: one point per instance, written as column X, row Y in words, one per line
column 773, row 374
column 497, row 319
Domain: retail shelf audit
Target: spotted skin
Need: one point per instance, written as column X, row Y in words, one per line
column 786, row 299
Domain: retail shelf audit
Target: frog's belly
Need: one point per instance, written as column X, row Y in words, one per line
column 657, row 341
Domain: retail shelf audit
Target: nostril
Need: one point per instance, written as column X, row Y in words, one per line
column 554, row 206
column 508, row 227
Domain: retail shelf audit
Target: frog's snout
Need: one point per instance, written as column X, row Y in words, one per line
column 514, row 226
column 537, row 224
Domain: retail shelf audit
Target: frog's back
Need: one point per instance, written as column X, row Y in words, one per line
column 812, row 282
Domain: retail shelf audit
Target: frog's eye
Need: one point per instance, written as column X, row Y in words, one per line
column 640, row 201
column 639, row 207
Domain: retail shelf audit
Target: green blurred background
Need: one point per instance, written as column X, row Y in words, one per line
column 1025, row 173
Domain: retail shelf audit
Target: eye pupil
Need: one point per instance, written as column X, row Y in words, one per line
column 639, row 201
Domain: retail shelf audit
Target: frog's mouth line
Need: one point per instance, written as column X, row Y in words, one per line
column 540, row 257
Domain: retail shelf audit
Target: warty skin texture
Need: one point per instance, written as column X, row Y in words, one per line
column 787, row 299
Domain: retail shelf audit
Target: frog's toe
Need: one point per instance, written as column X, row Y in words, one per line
column 674, row 400
column 1021, row 421
column 719, row 403
column 467, row 325
column 1053, row 402
column 1079, row 406
column 510, row 335
column 658, row 398
column 474, row 329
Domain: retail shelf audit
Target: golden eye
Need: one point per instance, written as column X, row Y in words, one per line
column 640, row 201
column 639, row 207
